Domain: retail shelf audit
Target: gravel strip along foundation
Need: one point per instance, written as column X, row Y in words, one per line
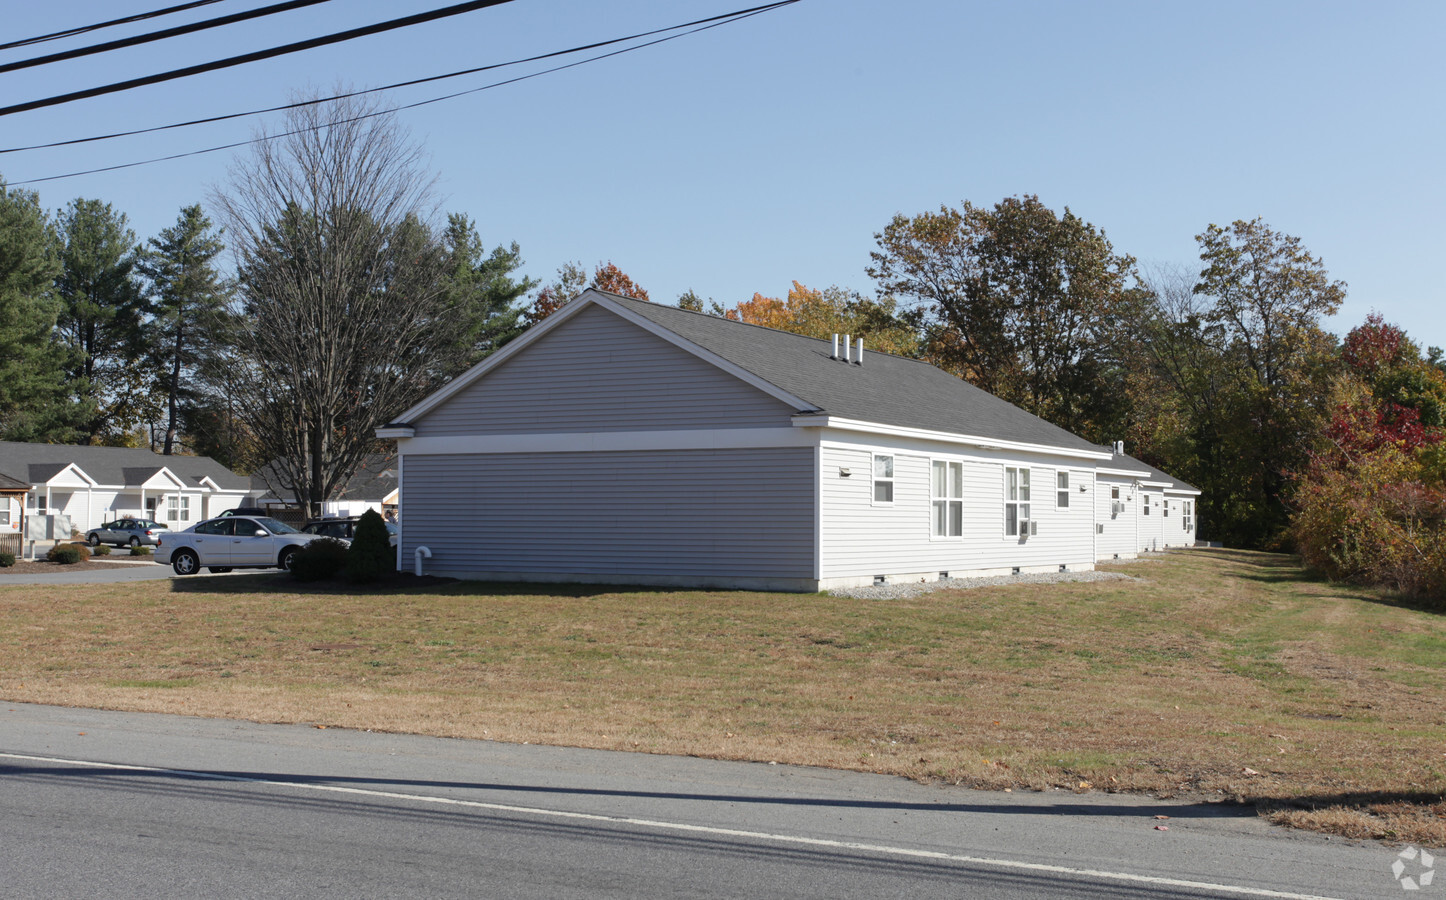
column 907, row 589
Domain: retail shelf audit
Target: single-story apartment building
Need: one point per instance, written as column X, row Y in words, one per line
column 93, row 485
column 621, row 441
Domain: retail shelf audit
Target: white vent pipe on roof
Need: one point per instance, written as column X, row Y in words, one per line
column 847, row 340
column 834, row 354
column 860, row 354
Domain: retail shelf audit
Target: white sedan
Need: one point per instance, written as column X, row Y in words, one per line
column 234, row 542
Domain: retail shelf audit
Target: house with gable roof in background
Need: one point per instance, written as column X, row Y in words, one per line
column 626, row 442
column 93, row 485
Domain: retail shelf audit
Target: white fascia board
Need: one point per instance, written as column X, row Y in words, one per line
column 210, row 484
column 527, row 338
column 702, row 353
column 396, row 431
column 1188, row 492
column 1124, row 473
column 946, row 437
column 609, row 441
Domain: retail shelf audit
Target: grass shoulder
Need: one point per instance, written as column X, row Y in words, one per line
column 1221, row 675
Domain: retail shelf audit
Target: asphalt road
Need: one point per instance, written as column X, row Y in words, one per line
column 101, row 804
column 141, row 570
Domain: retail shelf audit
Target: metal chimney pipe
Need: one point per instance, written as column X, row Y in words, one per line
column 860, row 359
column 834, row 354
column 847, row 339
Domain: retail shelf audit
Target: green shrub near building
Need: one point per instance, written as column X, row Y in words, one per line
column 371, row 554
column 319, row 560
column 68, row 554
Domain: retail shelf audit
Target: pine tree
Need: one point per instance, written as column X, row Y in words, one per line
column 33, row 401
column 187, row 305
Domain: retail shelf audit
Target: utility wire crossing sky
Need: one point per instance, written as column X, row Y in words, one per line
column 774, row 149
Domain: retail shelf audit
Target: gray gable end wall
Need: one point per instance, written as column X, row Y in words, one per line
column 599, row 372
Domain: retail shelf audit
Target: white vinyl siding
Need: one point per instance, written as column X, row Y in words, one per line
column 1116, row 507
column 861, row 539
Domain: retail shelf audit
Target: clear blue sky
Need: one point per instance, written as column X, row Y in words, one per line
column 770, row 150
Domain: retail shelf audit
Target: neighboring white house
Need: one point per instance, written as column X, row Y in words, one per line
column 93, row 485
column 374, row 485
column 1139, row 508
column 627, row 442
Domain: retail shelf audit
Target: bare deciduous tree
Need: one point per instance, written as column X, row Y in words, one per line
column 343, row 291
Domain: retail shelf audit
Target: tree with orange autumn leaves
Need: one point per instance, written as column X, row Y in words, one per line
column 833, row 310
column 572, row 280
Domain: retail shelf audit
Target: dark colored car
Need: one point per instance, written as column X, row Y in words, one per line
column 344, row 528
column 126, row 531
column 245, row 511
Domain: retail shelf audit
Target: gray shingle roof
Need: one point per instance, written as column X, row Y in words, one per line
column 33, row 463
column 888, row 390
column 1157, row 475
column 374, row 480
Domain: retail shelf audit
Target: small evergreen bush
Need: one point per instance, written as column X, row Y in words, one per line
column 370, row 555
column 7, row 559
column 101, row 550
column 318, row 560
column 68, row 554
column 137, row 551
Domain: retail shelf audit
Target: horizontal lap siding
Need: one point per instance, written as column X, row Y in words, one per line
column 597, row 372
column 1118, row 537
column 860, row 538
column 1151, row 530
column 670, row 513
column 1173, row 526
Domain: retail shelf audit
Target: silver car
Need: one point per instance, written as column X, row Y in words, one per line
column 126, row 531
column 233, row 542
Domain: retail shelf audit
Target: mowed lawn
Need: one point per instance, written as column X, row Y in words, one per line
column 1218, row 674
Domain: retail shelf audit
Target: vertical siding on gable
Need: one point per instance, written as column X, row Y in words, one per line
column 744, row 513
column 861, row 538
column 598, row 372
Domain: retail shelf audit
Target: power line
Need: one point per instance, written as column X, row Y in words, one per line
column 389, row 87
column 86, row 29
column 725, row 19
column 312, row 43
column 177, row 31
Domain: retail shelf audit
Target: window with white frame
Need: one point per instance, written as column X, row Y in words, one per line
column 1187, row 515
column 1165, row 509
column 1061, row 490
column 947, row 491
column 5, row 514
column 178, row 508
column 1016, row 499
column 883, row 478
column 1145, row 504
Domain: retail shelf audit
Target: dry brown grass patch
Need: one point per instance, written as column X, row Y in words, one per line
column 1222, row 676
